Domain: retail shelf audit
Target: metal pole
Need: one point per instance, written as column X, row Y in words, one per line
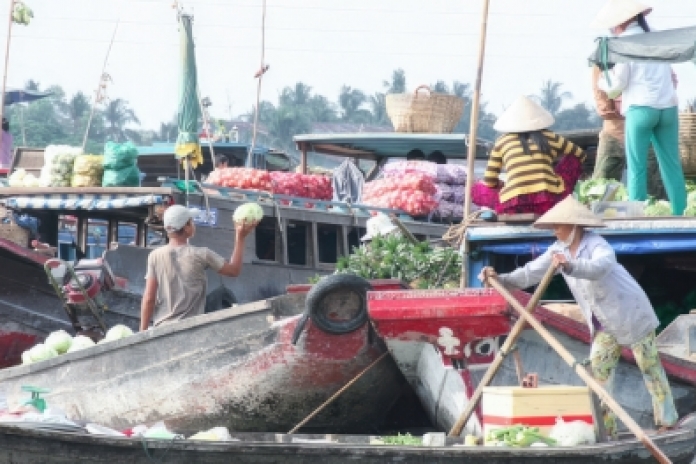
column 7, row 61
column 473, row 128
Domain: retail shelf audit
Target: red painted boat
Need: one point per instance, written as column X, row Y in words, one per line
column 444, row 340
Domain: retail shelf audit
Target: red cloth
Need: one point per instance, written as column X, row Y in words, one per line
column 569, row 169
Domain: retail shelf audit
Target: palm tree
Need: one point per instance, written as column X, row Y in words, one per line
column 298, row 95
column 440, row 87
column 551, row 97
column 461, row 89
column 350, row 100
column 118, row 114
column 286, row 122
column 321, row 109
column 378, row 107
column 398, row 82
column 76, row 109
column 32, row 85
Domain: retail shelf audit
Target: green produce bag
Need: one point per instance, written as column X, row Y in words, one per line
column 128, row 177
column 119, row 155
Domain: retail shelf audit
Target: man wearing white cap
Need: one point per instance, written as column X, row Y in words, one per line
column 617, row 310
column 175, row 281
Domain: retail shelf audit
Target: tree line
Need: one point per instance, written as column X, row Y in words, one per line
column 62, row 119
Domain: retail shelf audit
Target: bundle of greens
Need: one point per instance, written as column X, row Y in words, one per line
column 587, row 191
column 395, row 257
column 517, row 436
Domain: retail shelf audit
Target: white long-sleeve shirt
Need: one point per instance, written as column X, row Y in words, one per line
column 640, row 83
column 600, row 285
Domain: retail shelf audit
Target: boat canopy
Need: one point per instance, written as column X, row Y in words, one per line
column 637, row 245
column 670, row 46
column 375, row 146
column 82, row 201
column 634, row 236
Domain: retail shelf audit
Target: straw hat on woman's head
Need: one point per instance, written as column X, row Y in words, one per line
column 568, row 211
column 524, row 115
column 617, row 12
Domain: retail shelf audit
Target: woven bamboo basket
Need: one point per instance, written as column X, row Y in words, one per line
column 422, row 112
column 11, row 231
column 687, row 142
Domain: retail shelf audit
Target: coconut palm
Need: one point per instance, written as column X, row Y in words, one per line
column 350, row 101
column 76, row 109
column 321, row 109
column 117, row 115
column 398, row 82
column 551, row 97
column 300, row 94
column 378, row 108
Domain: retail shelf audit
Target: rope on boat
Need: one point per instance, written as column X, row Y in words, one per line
column 455, row 236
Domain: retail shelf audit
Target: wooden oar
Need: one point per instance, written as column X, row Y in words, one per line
column 500, row 356
column 582, row 372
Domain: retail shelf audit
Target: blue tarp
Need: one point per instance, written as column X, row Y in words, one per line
column 622, row 245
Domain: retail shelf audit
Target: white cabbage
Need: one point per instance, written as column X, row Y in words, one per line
column 248, row 212
column 117, row 332
column 80, row 342
column 41, row 352
column 59, row 341
column 26, row 357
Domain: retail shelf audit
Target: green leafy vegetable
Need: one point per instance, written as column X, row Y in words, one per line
column 395, row 257
column 405, row 439
column 591, row 190
column 658, row 208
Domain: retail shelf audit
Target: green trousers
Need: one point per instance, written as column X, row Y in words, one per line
column 646, row 125
column 611, row 161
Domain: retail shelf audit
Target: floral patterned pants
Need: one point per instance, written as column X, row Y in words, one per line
column 604, row 357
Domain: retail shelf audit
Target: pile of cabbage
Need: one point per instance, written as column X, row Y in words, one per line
column 21, row 178
column 88, row 171
column 58, row 165
column 60, row 342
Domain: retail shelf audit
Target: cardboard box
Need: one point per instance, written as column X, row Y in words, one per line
column 534, row 407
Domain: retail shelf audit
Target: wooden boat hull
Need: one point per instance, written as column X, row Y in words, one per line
column 21, row 446
column 236, row 368
column 444, row 389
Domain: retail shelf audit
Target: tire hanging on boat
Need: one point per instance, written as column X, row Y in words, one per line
column 337, row 304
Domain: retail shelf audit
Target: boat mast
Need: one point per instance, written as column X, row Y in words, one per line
column 7, row 61
column 99, row 94
column 259, row 75
column 472, row 145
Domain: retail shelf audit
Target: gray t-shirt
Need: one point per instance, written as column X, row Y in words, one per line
column 181, row 280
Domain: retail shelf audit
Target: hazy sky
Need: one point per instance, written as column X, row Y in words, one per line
column 324, row 43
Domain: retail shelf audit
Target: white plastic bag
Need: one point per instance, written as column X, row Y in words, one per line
column 572, row 433
column 214, row 434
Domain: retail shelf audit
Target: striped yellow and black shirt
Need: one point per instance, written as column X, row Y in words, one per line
column 528, row 173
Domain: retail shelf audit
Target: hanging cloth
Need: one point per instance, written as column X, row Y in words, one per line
column 347, row 182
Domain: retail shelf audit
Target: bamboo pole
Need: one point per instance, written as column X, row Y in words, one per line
column 337, row 394
column 100, row 88
column 261, row 72
column 7, row 62
column 473, row 129
column 582, row 372
column 512, row 337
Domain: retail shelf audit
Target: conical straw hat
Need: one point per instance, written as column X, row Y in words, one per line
column 568, row 211
column 616, row 12
column 524, row 115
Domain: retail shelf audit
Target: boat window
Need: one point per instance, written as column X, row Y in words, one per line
column 267, row 239
column 67, row 237
column 127, row 233
column 354, row 237
column 329, row 243
column 298, row 240
column 97, row 231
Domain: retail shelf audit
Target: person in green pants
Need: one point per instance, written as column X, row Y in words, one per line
column 611, row 154
column 649, row 104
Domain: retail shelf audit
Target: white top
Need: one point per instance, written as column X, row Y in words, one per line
column 640, row 83
column 600, row 285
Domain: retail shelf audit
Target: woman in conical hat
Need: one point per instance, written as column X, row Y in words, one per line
column 617, row 310
column 649, row 105
column 527, row 151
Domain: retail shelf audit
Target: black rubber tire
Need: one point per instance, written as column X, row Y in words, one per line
column 348, row 292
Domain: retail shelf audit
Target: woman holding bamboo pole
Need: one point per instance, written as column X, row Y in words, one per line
column 616, row 308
